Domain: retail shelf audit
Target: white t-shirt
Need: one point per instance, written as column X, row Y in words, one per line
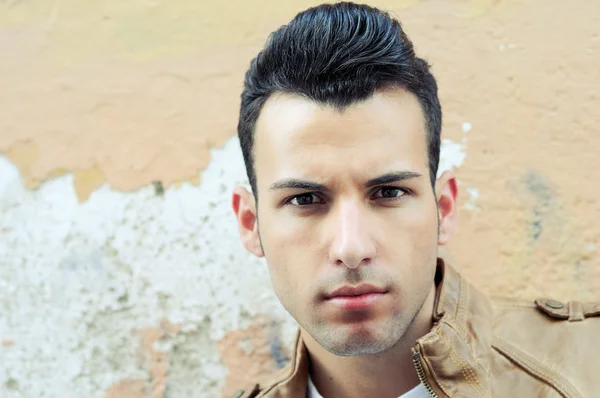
column 417, row 392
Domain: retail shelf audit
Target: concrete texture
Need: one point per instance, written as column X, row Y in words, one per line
column 121, row 274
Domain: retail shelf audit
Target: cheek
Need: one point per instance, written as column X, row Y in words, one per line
column 417, row 222
column 288, row 238
column 287, row 256
column 288, row 286
column 410, row 240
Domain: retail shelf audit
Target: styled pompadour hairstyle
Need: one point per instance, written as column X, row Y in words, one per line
column 338, row 54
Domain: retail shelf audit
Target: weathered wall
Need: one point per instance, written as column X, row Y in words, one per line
column 121, row 274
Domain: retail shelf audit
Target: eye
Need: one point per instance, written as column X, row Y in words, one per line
column 305, row 199
column 389, row 193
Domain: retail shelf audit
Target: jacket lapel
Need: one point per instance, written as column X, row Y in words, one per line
column 457, row 351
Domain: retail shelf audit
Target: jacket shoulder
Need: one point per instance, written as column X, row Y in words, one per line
column 546, row 309
column 550, row 339
column 530, row 320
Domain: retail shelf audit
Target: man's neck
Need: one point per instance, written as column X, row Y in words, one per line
column 387, row 374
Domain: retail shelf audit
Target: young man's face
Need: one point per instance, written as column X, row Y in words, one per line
column 345, row 202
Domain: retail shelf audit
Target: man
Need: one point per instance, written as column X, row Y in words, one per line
column 340, row 130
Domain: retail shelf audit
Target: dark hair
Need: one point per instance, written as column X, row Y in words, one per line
column 338, row 54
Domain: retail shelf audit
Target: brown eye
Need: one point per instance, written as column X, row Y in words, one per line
column 389, row 193
column 305, row 199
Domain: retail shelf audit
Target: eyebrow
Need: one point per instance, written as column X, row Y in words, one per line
column 388, row 178
column 292, row 183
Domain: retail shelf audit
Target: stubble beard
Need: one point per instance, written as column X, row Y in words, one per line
column 337, row 340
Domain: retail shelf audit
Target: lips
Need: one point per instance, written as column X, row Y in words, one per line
column 352, row 291
column 356, row 298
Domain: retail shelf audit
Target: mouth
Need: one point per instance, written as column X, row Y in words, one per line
column 356, row 298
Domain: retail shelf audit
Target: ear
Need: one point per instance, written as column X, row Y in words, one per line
column 244, row 207
column 446, row 191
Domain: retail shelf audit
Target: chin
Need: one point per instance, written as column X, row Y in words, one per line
column 356, row 342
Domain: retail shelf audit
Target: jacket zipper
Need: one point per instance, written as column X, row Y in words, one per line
column 416, row 356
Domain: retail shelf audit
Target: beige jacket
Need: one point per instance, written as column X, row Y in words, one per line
column 487, row 348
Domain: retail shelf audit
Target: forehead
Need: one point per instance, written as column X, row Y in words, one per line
column 297, row 137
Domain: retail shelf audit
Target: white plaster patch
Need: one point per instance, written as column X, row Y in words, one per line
column 76, row 280
column 471, row 203
column 452, row 155
column 466, row 127
column 590, row 247
column 503, row 46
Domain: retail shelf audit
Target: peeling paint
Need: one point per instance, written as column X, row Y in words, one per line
column 137, row 91
column 129, row 388
column 87, row 181
column 471, row 203
column 466, row 127
column 267, row 354
column 138, row 275
column 24, row 154
column 452, row 155
column 155, row 356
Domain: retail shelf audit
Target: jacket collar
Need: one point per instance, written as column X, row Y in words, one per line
column 455, row 354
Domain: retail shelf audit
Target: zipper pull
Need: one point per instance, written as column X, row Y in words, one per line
column 416, row 356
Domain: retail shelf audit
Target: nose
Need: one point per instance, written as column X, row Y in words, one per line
column 352, row 243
